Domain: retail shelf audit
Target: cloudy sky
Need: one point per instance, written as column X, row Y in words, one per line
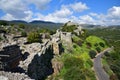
column 104, row 12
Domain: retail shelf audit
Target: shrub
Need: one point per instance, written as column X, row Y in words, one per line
column 73, row 62
column 33, row 37
column 74, row 73
column 102, row 44
column 98, row 49
column 92, row 54
column 88, row 45
column 23, row 34
column 3, row 23
column 22, row 26
column 96, row 45
column 69, row 28
column 73, row 66
column 77, row 40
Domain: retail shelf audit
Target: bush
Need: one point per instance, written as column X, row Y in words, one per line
column 77, row 40
column 74, row 73
column 92, row 54
column 69, row 28
column 102, row 44
column 23, row 34
column 22, row 26
column 96, row 45
column 33, row 37
column 73, row 66
column 73, row 62
column 3, row 23
column 88, row 45
column 98, row 49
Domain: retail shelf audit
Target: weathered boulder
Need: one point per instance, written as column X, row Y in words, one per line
column 56, row 65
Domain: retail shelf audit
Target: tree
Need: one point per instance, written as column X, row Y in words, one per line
column 98, row 49
column 92, row 54
column 3, row 23
column 33, row 37
column 102, row 44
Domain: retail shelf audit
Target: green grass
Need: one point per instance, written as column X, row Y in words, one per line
column 77, row 63
column 107, row 67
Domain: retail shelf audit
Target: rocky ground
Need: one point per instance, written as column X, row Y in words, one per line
column 13, row 76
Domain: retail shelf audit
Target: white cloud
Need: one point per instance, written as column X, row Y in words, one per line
column 57, row 16
column 15, row 8
column 63, row 12
column 40, row 4
column 86, row 18
column 11, row 17
column 114, row 12
column 79, row 7
column 111, row 18
column 8, row 17
column 19, row 9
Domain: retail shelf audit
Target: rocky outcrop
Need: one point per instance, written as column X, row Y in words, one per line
column 69, row 23
column 32, row 50
column 10, row 57
column 78, row 31
column 56, row 65
column 41, row 66
column 13, row 76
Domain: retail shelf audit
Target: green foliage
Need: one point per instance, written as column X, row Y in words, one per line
column 45, row 30
column 23, row 34
column 102, row 44
column 92, row 54
column 112, row 37
column 77, row 65
column 95, row 43
column 74, row 73
column 22, row 26
column 1, row 38
column 71, row 28
column 3, row 23
column 33, row 37
column 88, row 45
column 94, row 39
column 98, row 49
column 77, row 40
column 72, row 61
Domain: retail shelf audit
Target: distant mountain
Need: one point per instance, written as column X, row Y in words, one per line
column 90, row 26
column 35, row 23
column 45, row 24
column 39, row 22
column 18, row 22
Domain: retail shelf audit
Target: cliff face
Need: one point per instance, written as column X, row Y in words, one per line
column 10, row 57
column 41, row 66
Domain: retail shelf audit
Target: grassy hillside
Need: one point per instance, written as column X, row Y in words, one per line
column 77, row 62
column 112, row 37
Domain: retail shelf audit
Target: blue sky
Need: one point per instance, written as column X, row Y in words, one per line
column 103, row 12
